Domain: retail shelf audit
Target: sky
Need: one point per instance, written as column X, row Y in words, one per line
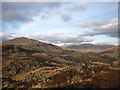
column 61, row 22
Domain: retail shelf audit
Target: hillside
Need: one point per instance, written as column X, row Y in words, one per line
column 31, row 44
column 111, row 51
column 28, row 63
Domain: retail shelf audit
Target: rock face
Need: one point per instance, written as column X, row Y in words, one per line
column 27, row 63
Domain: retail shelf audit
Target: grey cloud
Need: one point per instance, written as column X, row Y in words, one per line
column 11, row 16
column 60, row 38
column 95, row 23
column 5, row 37
column 74, row 7
column 29, row 5
column 77, row 7
column 107, row 27
column 23, row 11
column 66, row 17
column 109, row 30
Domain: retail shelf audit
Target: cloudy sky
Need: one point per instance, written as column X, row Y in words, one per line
column 61, row 22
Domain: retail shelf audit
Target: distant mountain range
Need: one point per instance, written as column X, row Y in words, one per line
column 28, row 63
column 87, row 47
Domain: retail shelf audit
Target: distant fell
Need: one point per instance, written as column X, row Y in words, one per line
column 89, row 46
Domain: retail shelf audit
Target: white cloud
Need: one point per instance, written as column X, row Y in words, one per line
column 103, row 42
column 1, row 34
column 59, row 38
